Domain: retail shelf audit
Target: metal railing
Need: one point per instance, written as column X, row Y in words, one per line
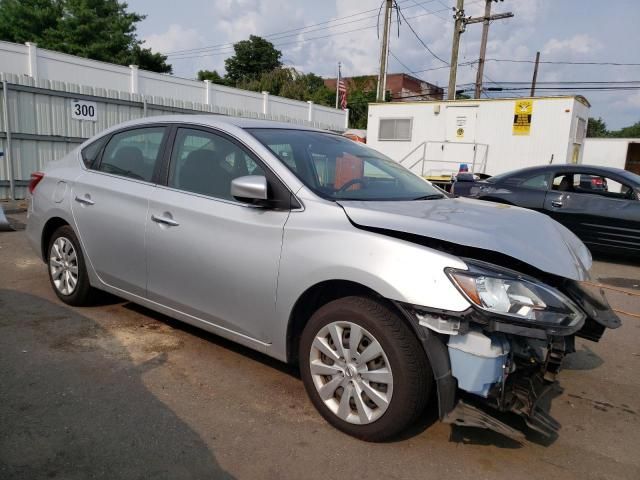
column 476, row 165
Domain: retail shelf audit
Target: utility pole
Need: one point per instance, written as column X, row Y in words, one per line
column 458, row 28
column 483, row 47
column 384, row 53
column 535, row 75
column 485, row 34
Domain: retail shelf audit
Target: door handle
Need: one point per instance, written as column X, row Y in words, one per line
column 164, row 220
column 556, row 204
column 85, row 200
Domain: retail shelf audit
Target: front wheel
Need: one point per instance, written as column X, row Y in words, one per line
column 364, row 368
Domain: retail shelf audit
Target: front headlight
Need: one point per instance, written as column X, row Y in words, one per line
column 518, row 297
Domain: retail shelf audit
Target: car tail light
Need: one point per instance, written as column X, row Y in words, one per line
column 35, row 180
column 597, row 182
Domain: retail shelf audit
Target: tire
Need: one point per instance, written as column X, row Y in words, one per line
column 393, row 401
column 65, row 262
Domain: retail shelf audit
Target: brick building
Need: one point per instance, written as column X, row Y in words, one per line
column 402, row 86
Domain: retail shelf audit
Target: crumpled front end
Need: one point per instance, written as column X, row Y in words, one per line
column 507, row 363
column 506, row 373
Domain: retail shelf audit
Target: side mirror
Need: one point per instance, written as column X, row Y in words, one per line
column 250, row 188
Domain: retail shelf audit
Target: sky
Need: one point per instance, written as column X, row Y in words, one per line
column 562, row 30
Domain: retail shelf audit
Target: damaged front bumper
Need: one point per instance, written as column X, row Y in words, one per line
column 527, row 386
column 501, row 368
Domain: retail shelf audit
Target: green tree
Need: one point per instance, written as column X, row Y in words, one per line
column 98, row 29
column 597, row 128
column 289, row 83
column 632, row 131
column 252, row 58
column 213, row 76
column 29, row 20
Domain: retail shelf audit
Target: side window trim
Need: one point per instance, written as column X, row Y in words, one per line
column 163, row 145
column 163, row 179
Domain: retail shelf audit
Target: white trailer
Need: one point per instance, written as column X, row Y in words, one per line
column 613, row 152
column 491, row 136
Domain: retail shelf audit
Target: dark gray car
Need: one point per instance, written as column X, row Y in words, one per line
column 600, row 205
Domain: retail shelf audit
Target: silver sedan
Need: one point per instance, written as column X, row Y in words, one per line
column 322, row 252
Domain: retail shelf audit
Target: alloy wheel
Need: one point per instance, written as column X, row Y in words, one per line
column 351, row 372
column 63, row 265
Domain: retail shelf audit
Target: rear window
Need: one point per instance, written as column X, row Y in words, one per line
column 90, row 152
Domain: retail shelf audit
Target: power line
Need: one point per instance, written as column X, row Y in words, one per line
column 573, row 82
column 293, row 42
column 420, row 39
column 559, row 62
column 281, row 34
column 470, row 87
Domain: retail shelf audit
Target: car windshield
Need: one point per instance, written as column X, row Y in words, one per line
column 337, row 168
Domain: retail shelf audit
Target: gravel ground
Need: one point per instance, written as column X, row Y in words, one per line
column 118, row 391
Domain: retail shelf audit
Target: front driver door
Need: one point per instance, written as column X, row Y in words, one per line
column 600, row 209
column 110, row 201
column 211, row 257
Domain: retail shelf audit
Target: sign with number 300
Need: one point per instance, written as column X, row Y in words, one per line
column 81, row 110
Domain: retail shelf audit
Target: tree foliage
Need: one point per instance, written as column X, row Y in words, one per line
column 213, row 76
column 252, row 58
column 632, row 131
column 98, row 29
column 256, row 66
column 597, row 128
column 289, row 83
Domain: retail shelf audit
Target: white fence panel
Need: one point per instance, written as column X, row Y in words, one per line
column 69, row 68
column 28, row 61
column 281, row 106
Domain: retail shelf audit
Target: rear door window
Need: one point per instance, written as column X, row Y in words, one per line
column 563, row 182
column 601, row 185
column 133, row 153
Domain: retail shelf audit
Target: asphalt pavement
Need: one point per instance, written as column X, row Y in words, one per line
column 116, row 391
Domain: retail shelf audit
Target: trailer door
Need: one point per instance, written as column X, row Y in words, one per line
column 461, row 124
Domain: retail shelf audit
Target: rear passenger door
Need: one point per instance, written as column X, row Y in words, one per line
column 211, row 257
column 110, row 204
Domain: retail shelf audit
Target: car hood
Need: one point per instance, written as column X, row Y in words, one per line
column 526, row 235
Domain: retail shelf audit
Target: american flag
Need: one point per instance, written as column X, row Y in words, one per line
column 342, row 93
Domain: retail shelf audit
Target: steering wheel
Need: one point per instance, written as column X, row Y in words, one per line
column 352, row 182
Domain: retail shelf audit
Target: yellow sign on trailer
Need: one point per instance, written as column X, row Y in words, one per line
column 522, row 117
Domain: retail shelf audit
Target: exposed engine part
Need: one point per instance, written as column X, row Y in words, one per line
column 528, row 389
column 530, row 350
column 478, row 361
column 523, row 384
column 467, row 415
column 439, row 324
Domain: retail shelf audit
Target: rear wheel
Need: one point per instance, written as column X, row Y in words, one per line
column 364, row 368
column 67, row 270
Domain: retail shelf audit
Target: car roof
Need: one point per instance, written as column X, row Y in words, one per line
column 219, row 120
column 576, row 168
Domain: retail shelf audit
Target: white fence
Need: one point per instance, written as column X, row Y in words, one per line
column 39, row 64
column 37, row 124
